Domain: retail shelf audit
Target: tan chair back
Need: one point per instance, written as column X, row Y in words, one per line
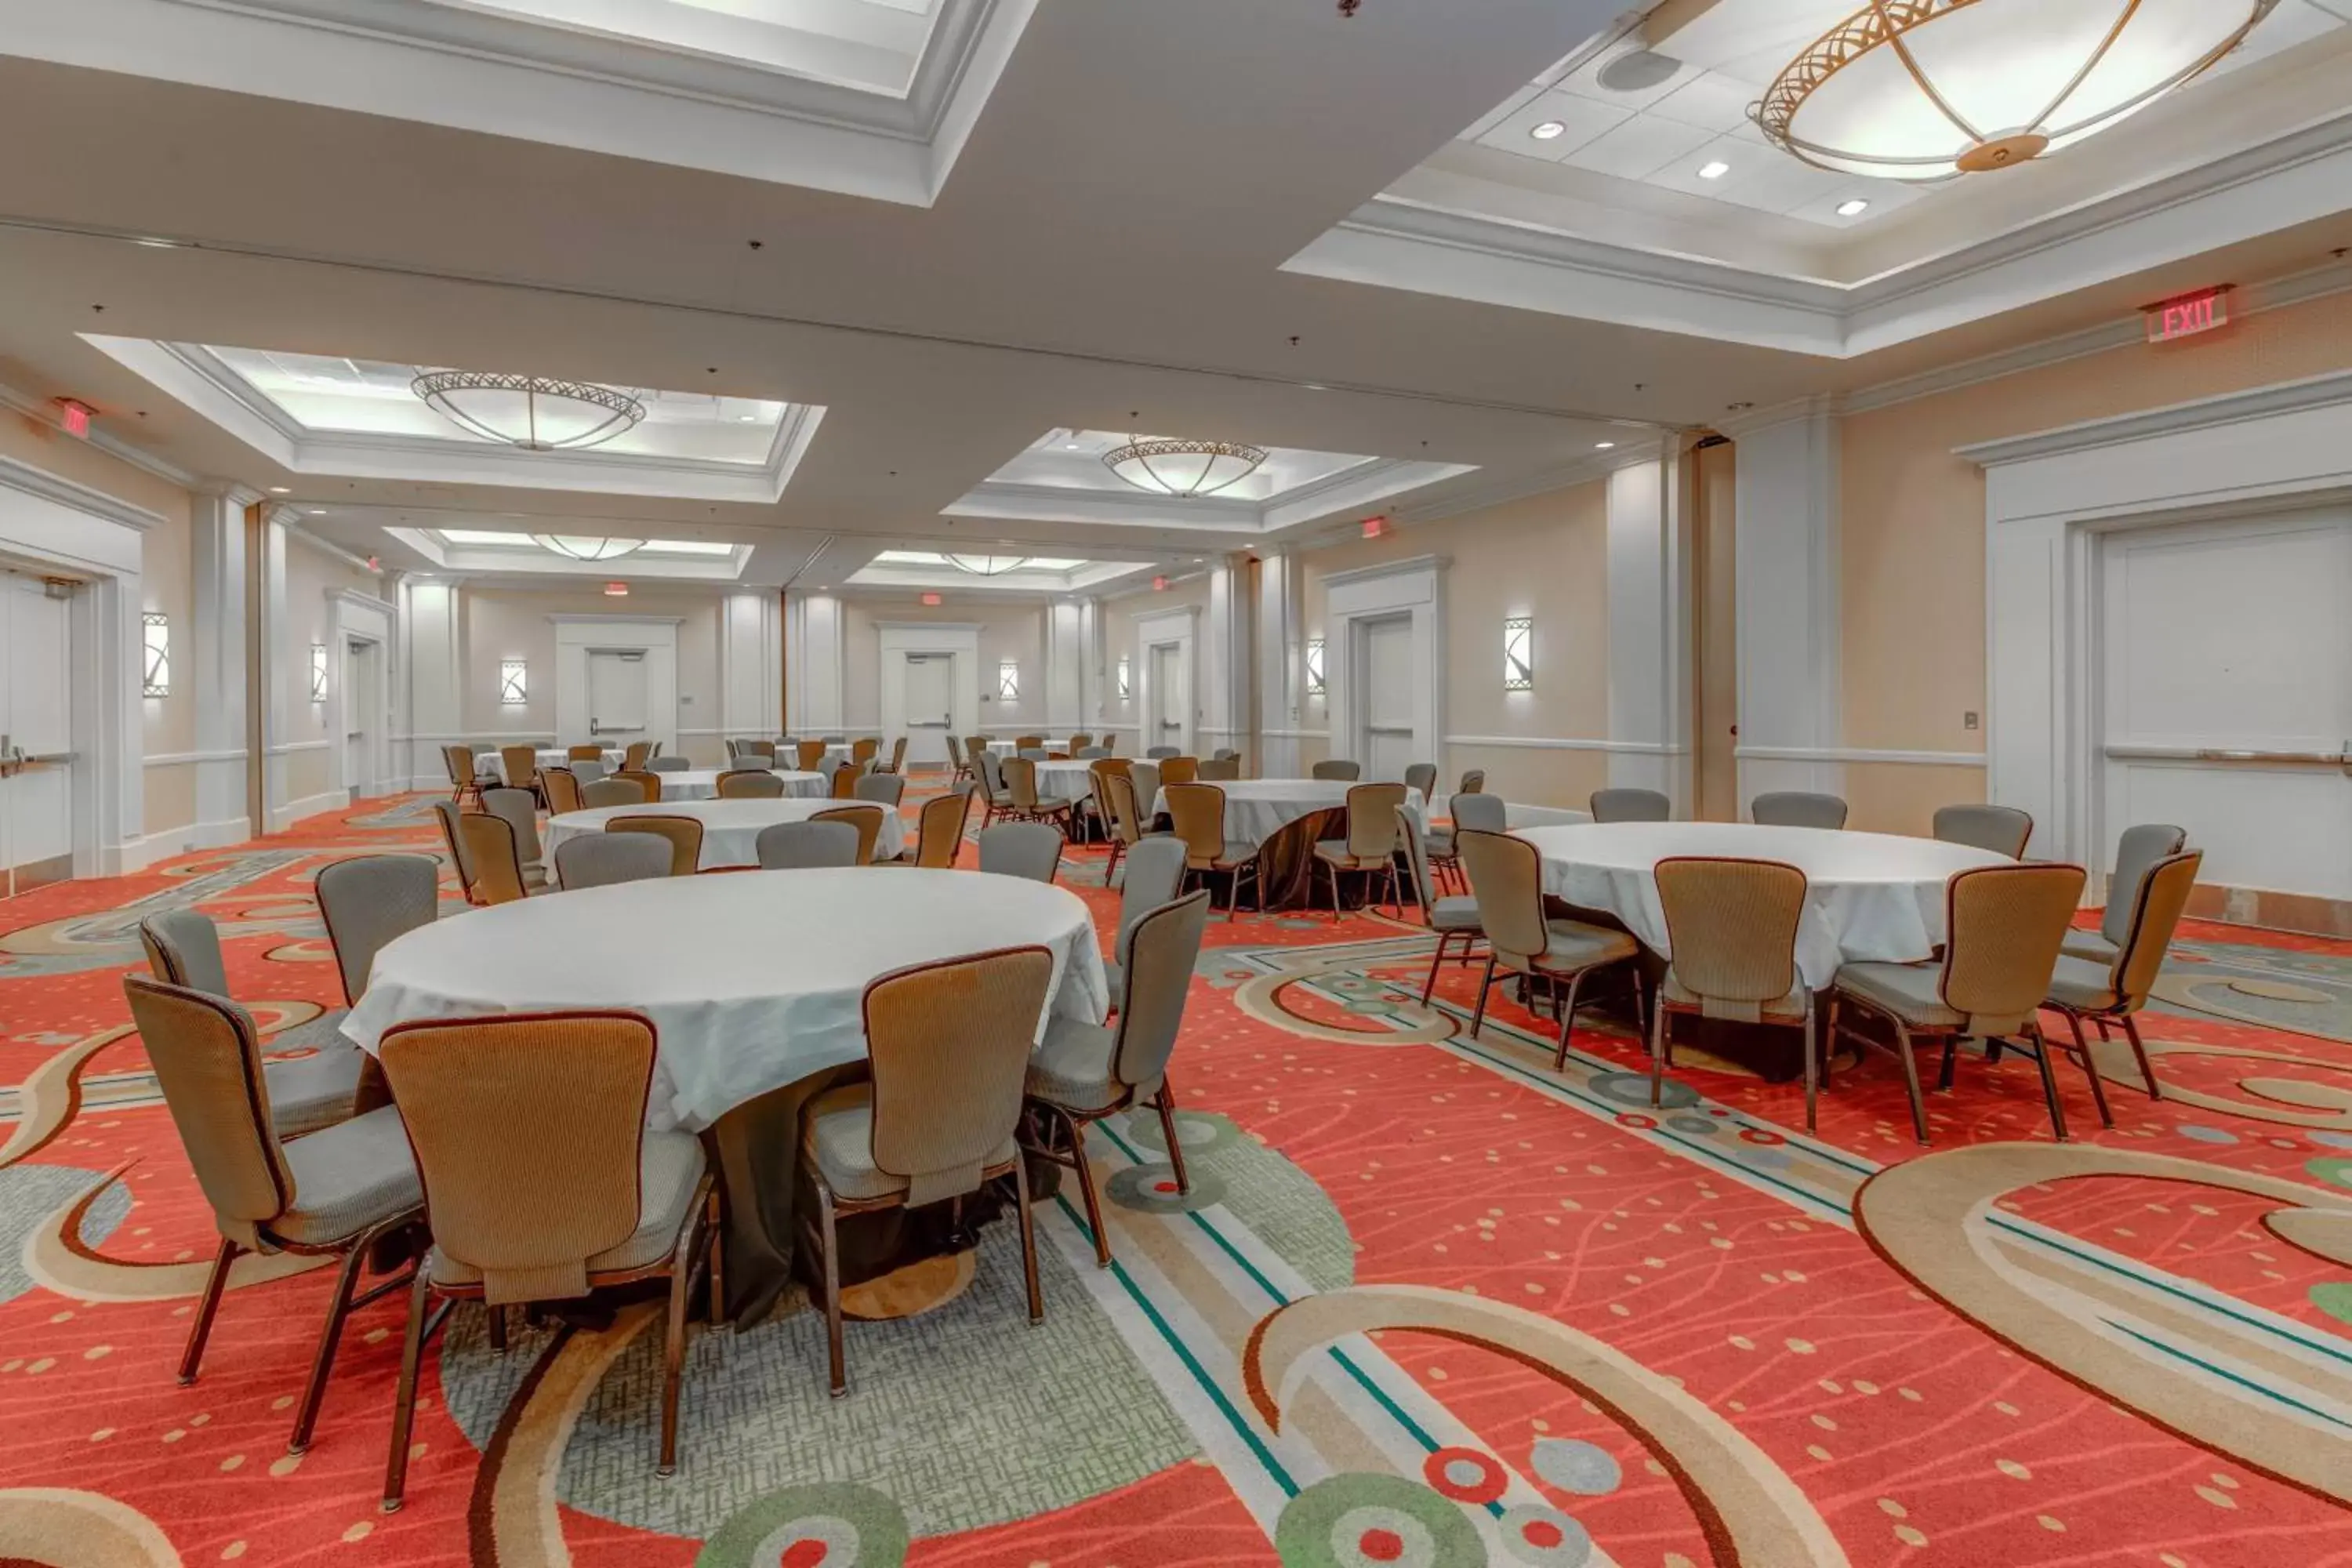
column 866, row 817
column 940, row 831
column 1198, row 810
column 845, row 780
column 2003, row 925
column 1180, row 770
column 1080, row 742
column 521, row 765
column 684, row 833
column 1505, row 876
column 1114, row 799
column 1156, row 956
column 1371, row 820
column 584, row 754
column 527, row 1131
column 1029, row 743
column 463, row 765
column 562, row 786
column 1473, row 782
column 2156, row 914
column 810, row 754
column 208, row 1061
column 949, row 1044
column 897, row 764
column 460, row 856
column 1416, row 855
column 749, row 784
column 646, row 780
column 2137, row 850
column 866, row 749
column 1732, row 927
column 1021, row 782
column 636, row 755
column 489, row 841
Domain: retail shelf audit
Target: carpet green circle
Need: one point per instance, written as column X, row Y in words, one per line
column 1331, row 1523
column 837, row 1524
column 2334, row 1169
column 2335, row 1300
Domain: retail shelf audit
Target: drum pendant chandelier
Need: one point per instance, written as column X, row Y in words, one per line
column 1927, row 89
column 532, row 412
column 986, row 565
column 586, row 547
column 1183, row 468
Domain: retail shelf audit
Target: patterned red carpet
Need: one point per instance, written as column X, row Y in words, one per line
column 1429, row 1302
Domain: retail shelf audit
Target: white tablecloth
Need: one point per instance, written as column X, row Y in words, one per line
column 1257, row 809
column 731, row 828
column 1516, row 816
column 1870, row 896
column 489, row 762
column 702, row 783
column 1068, row 780
column 753, row 980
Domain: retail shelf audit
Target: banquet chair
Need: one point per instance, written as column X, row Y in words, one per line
column 635, row 756
column 811, row 755
column 658, row 764
column 996, row 799
column 589, row 771
column 562, row 786
column 489, row 841
column 646, row 780
column 1476, row 812
column 1079, row 740
column 517, row 807
column 684, row 835
column 2003, row 829
column 1029, row 849
column 1160, row 753
column 1338, row 770
column 1091, row 754
column 2138, row 850
column 806, row 846
column 1422, row 777
column 367, row 900
column 939, row 830
column 1225, row 754
column 522, row 767
column 1731, row 926
column 1180, row 770
column 1198, row 811
column 843, row 782
column 1473, row 782
column 948, row 1048
column 866, row 749
column 2003, row 925
column 972, row 746
column 2114, row 991
column 883, row 789
column 1447, row 919
column 749, row 784
column 762, row 752
column 961, row 768
column 898, row 763
column 1155, row 876
column 305, row 1094
column 1035, row 753
column 461, row 859
column 584, row 754
column 334, row 1193
column 1219, row 770
column 835, row 740
column 464, row 777
column 602, row 860
column 1028, row 806
column 1624, row 804
column 600, row 793
column 1114, row 799
column 1144, row 779
column 1506, row 885
column 1797, row 808
column 1371, row 844
column 865, row 816
column 1029, row 743
column 1081, row 1072
column 544, row 1184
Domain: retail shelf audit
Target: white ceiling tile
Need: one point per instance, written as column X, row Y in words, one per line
column 1760, row 177
column 1583, row 119
column 1712, row 101
column 2291, row 22
column 1638, row 148
column 1883, row 197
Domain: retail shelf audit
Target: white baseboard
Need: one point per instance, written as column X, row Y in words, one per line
column 282, row 817
column 221, row 834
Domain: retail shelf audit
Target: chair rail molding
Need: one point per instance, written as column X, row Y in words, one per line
column 2049, row 497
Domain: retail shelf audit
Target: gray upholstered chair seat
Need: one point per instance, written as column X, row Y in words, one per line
column 1072, row 1067
column 1788, row 1009
column 307, row 1093
column 1908, row 991
column 2091, row 946
column 1236, row 851
column 840, row 1140
column 2085, row 984
column 668, row 1170
column 1576, row 945
column 1455, row 914
column 347, row 1179
column 1438, row 841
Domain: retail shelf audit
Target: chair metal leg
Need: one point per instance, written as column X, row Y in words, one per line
column 1658, row 1046
column 2049, row 1079
column 1486, row 982
column 2091, row 1070
column 681, row 1290
column 1028, row 1241
column 403, row 1402
column 835, row 1358
column 1167, row 1106
column 498, row 1330
column 1567, row 1022
column 2148, row 1071
column 1951, row 1060
column 1086, row 1188
column 200, row 1330
column 717, row 1220
column 1812, row 1070
column 1429, row 987
column 339, row 1307
column 1911, row 1082
column 1830, row 1040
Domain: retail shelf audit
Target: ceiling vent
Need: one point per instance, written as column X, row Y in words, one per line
column 1638, row 71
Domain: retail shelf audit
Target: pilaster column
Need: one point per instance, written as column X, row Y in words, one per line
column 751, row 665
column 1786, row 563
column 431, row 685
column 1280, row 649
column 1649, row 627
column 1066, row 663
column 1228, row 669
column 813, row 637
column 214, row 670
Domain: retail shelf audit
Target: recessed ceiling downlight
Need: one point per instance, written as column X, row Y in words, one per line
column 1547, row 131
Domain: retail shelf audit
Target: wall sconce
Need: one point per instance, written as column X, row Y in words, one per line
column 1008, row 681
column 156, row 639
column 1125, row 679
column 513, row 686
column 1519, row 653
column 318, row 672
column 1314, row 667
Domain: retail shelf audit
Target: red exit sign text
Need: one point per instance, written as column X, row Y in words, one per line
column 2188, row 315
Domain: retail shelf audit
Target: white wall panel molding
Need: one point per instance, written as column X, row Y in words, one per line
column 1649, row 627
column 815, row 663
column 1787, row 565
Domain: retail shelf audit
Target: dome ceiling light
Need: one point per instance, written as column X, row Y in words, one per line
column 532, row 412
column 986, row 565
column 1925, row 89
column 1183, row 468
column 581, row 547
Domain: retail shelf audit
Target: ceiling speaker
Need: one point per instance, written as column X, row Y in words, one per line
column 1638, row 71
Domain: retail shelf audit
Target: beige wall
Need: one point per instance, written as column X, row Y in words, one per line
column 1118, row 618
column 312, row 573
column 506, row 623
column 1016, row 632
column 1545, row 557
column 164, row 584
column 1911, row 531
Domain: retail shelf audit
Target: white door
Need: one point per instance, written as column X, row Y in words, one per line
column 1171, row 699
column 360, row 771
column 1384, row 677
column 928, row 707
column 616, row 694
column 36, row 736
column 2227, row 692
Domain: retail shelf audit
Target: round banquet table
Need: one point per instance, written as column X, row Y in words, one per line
column 754, row 983
column 1868, row 896
column 731, row 828
column 702, row 783
column 1257, row 809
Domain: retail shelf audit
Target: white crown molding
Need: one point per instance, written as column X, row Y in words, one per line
column 973, row 626
column 611, row 618
column 23, row 477
column 352, row 559
column 46, row 412
column 352, row 596
column 1411, row 566
column 2332, row 390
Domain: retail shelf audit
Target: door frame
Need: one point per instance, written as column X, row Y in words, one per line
column 896, row 639
column 1360, row 649
column 654, row 637
column 1178, row 628
column 363, row 619
column 1414, row 587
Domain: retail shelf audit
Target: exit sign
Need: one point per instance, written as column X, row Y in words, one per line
column 2188, row 315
